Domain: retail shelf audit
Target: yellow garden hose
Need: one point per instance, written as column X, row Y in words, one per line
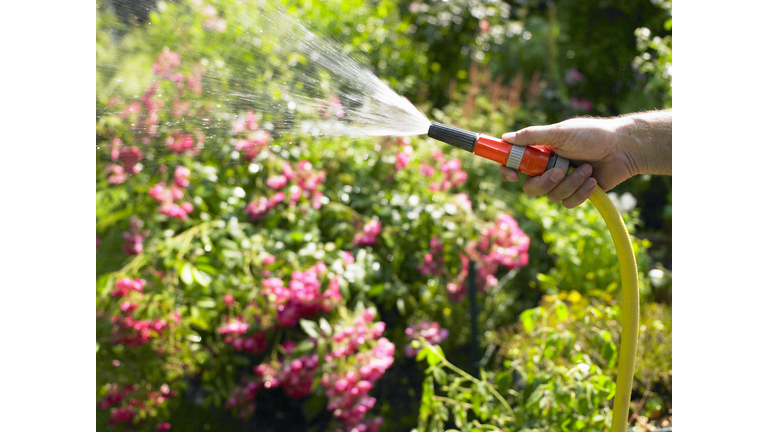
column 630, row 306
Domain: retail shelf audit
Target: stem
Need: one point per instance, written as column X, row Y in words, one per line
column 471, row 378
column 642, row 403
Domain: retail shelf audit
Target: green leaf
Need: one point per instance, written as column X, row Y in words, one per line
column 375, row 290
column 432, row 358
column 303, row 347
column 400, row 306
column 200, row 277
column 326, row 327
column 503, row 382
column 206, row 303
column 527, row 319
column 422, row 354
column 310, row 328
column 186, row 273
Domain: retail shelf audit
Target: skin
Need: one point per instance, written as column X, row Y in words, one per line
column 608, row 150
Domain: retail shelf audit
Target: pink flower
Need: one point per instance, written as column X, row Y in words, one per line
column 288, row 171
column 573, row 76
column 116, row 174
column 370, row 233
column 187, row 207
column 228, row 300
column 130, row 158
column 268, row 260
column 451, row 166
column 463, row 202
column 276, row 199
column 181, row 176
column 403, row 157
column 125, row 285
column 277, row 182
column 426, row 170
column 163, row 427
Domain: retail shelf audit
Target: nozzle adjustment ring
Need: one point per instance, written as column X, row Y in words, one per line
column 515, row 156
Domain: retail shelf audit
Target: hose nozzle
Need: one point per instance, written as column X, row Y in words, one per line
column 532, row 160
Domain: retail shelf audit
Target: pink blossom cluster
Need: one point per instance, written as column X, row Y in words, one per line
column 250, row 140
column 302, row 298
column 123, row 286
column 453, row 176
column 347, row 390
column 168, row 197
column 307, row 184
column 195, row 79
column 348, row 338
column 136, row 333
column 332, row 107
column 242, row 396
column 573, row 76
column 431, row 331
column 404, row 155
column 144, row 114
column 462, row 202
column 185, row 142
column 433, row 260
column 134, row 238
column 166, row 64
column 294, row 375
column 258, row 208
column 297, row 375
column 426, row 170
column 234, row 334
column 370, row 234
column 502, row 243
column 124, row 408
column 147, row 123
column 214, row 21
column 125, row 162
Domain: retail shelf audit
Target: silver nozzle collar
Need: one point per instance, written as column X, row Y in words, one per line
column 515, row 156
column 556, row 161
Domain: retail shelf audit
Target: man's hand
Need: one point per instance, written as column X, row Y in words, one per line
column 609, row 151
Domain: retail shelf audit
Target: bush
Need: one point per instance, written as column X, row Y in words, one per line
column 249, row 275
column 558, row 371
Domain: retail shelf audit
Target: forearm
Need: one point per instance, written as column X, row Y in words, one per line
column 647, row 140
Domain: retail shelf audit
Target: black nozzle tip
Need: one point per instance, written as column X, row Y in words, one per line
column 456, row 137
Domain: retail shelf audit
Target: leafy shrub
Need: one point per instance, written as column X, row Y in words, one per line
column 237, row 265
column 558, row 371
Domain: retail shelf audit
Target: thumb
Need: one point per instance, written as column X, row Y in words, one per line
column 532, row 135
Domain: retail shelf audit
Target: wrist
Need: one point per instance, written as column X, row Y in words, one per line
column 630, row 145
column 646, row 141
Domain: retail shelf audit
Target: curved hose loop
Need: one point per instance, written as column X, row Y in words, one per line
column 630, row 305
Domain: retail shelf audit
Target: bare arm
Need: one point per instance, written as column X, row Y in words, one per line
column 648, row 136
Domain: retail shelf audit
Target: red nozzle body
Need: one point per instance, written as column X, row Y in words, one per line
column 531, row 160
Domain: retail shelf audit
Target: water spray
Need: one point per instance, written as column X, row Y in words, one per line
column 535, row 160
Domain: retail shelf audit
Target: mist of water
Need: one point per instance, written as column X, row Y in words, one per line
column 313, row 74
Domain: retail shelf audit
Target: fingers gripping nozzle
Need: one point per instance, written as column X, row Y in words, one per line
column 532, row 160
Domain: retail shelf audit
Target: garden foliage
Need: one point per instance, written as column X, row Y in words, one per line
column 303, row 283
